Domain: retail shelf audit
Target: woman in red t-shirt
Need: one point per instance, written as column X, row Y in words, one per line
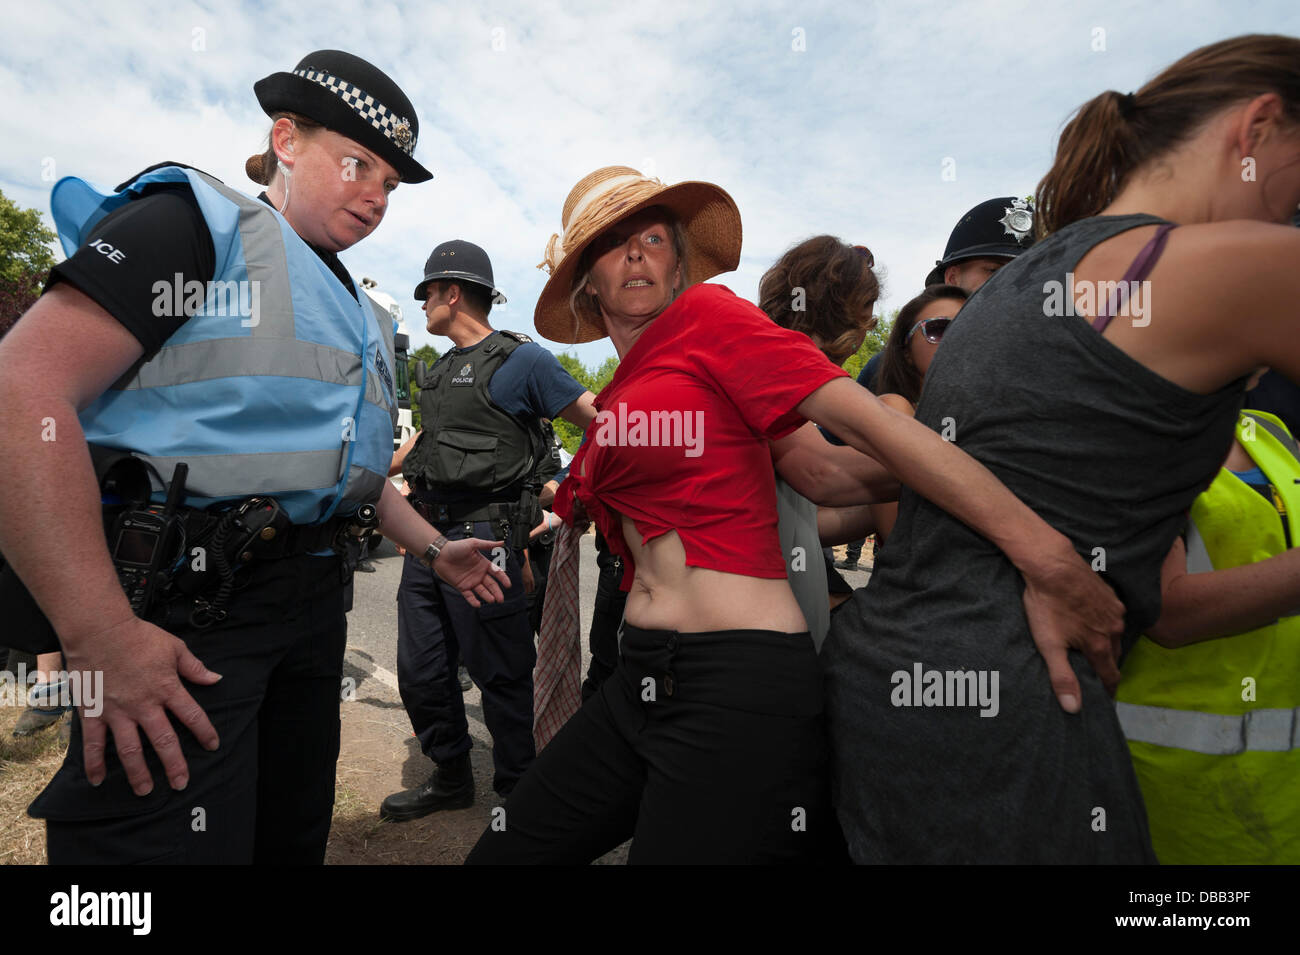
column 708, row 743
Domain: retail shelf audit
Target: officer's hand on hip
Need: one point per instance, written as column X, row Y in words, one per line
column 141, row 666
column 478, row 579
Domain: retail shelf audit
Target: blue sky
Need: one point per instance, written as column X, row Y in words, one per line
column 817, row 117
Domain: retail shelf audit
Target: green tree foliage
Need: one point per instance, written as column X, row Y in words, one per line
column 871, row 345
column 25, row 259
column 593, row 381
column 605, row 374
column 426, row 353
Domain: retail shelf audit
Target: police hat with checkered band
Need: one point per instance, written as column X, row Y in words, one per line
column 458, row 261
column 1000, row 228
column 354, row 99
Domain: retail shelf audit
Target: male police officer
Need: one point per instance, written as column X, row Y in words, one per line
column 471, row 468
column 986, row 238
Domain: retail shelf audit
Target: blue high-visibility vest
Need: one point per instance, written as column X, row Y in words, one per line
column 280, row 384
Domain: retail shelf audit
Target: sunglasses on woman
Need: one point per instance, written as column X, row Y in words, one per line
column 931, row 328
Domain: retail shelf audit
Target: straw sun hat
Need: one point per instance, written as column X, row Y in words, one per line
column 707, row 214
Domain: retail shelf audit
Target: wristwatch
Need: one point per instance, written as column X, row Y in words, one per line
column 433, row 550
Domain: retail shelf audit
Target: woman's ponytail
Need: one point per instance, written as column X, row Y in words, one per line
column 1114, row 134
column 1094, row 156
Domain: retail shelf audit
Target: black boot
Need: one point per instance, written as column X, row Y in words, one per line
column 450, row 787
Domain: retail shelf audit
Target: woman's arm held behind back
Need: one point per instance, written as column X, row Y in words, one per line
column 1067, row 605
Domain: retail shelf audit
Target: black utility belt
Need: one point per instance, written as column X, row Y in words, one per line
column 438, row 514
column 269, row 536
column 181, row 553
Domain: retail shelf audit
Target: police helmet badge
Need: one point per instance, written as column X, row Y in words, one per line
column 402, row 134
column 1018, row 219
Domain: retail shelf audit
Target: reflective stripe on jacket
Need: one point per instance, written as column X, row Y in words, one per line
column 1214, row 727
column 281, row 382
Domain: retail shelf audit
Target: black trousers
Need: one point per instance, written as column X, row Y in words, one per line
column 606, row 616
column 701, row 747
column 435, row 626
column 267, row 794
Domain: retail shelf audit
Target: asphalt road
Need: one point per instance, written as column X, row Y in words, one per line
column 371, row 659
column 372, row 624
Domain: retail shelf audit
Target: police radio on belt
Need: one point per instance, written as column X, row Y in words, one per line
column 145, row 540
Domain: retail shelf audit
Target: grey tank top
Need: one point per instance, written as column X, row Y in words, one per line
column 1106, row 451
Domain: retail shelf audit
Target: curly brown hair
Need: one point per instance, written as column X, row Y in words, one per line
column 825, row 289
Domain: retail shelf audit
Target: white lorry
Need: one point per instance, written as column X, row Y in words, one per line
column 401, row 346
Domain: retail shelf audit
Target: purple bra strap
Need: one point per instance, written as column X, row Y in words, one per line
column 1139, row 270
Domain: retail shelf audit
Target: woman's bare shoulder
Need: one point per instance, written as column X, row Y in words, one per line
column 1238, row 251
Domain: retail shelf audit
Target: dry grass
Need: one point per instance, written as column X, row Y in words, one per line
column 26, row 765
column 359, row 837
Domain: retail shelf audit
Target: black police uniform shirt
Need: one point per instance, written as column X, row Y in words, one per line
column 160, row 234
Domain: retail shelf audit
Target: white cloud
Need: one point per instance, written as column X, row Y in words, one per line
column 845, row 137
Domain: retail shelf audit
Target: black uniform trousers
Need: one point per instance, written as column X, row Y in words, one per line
column 606, row 617
column 700, row 747
column 435, row 625
column 266, row 795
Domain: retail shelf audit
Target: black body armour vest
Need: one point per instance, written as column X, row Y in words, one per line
column 470, row 449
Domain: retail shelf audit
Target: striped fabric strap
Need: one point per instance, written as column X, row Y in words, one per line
column 1137, row 272
column 1215, row 734
column 557, row 678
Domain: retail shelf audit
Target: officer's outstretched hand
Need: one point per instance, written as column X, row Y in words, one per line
column 478, row 579
column 142, row 667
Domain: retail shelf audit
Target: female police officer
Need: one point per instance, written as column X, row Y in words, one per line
column 288, row 399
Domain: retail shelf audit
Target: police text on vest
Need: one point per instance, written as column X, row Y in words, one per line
column 108, row 251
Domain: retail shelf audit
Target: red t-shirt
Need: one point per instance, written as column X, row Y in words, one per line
column 680, row 441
